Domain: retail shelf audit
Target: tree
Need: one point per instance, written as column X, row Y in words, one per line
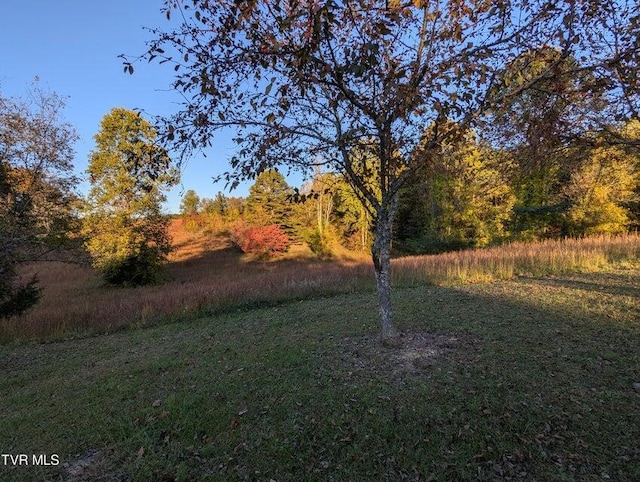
column 269, row 200
column 598, row 191
column 125, row 229
column 474, row 198
column 190, row 205
column 541, row 129
column 316, row 217
column 37, row 202
column 341, row 80
column 219, row 205
column 463, row 200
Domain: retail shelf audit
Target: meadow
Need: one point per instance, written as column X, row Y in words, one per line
column 516, row 363
column 207, row 276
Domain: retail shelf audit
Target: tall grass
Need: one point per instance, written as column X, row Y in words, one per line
column 517, row 259
column 205, row 276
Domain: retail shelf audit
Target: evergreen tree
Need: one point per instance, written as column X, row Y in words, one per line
column 269, row 200
column 125, row 229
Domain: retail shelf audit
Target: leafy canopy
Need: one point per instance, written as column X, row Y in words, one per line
column 123, row 223
column 37, row 199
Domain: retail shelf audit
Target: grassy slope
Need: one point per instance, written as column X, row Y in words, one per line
column 530, row 378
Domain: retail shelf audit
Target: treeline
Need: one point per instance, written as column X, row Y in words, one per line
column 471, row 195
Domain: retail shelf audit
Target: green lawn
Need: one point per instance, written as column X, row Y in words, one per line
column 528, row 379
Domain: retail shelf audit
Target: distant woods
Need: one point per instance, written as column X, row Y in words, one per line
column 472, row 196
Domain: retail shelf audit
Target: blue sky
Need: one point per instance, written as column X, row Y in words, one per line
column 73, row 47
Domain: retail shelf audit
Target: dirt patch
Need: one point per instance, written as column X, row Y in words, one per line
column 90, row 466
column 414, row 354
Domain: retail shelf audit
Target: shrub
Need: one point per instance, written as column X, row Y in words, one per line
column 321, row 243
column 192, row 223
column 17, row 298
column 260, row 240
column 138, row 269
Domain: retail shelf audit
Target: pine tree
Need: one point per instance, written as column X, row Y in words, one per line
column 269, row 200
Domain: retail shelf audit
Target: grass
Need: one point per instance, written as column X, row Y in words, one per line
column 524, row 379
column 517, row 259
column 518, row 362
column 206, row 276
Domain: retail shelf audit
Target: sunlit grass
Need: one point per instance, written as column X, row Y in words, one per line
column 531, row 259
column 204, row 275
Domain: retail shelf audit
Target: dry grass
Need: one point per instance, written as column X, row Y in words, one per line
column 206, row 275
column 505, row 262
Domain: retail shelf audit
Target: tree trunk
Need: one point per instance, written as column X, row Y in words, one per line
column 381, row 253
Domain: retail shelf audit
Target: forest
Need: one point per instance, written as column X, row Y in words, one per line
column 471, row 197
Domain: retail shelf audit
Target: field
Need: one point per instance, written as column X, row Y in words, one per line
column 508, row 369
column 206, row 276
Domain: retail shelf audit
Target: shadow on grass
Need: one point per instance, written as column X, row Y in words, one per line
column 621, row 283
column 528, row 381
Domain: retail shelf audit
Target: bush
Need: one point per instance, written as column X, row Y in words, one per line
column 15, row 299
column 260, row 240
column 192, row 223
column 141, row 268
column 321, row 243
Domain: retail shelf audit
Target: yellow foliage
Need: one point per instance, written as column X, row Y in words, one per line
column 476, row 199
column 598, row 191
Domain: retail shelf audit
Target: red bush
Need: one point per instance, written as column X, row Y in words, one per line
column 260, row 240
